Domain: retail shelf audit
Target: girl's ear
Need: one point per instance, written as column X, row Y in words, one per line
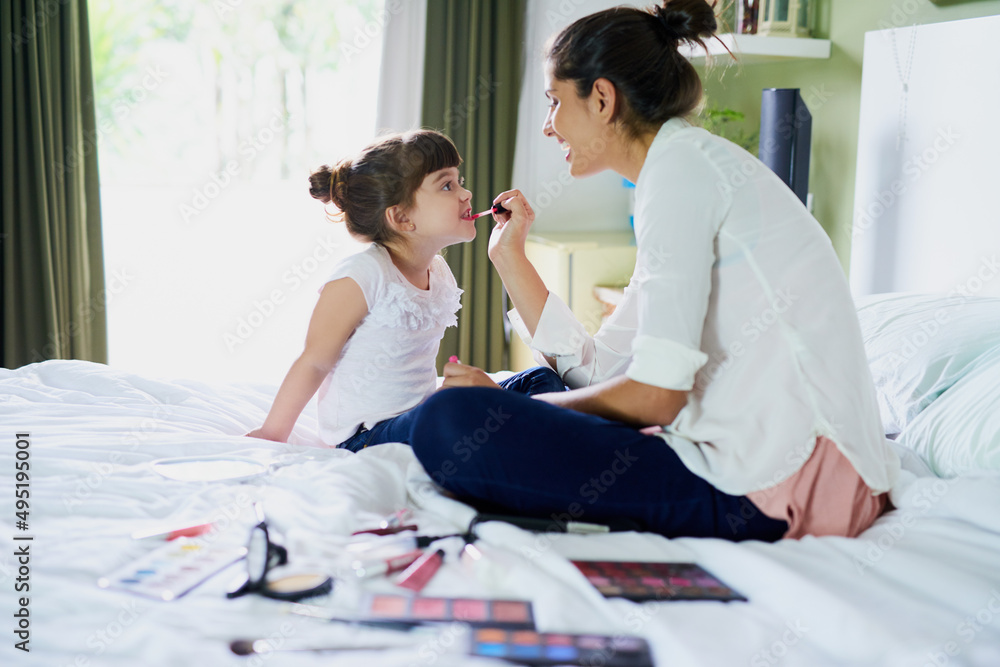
column 397, row 219
column 602, row 100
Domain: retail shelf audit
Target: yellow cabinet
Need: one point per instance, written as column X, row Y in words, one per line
column 571, row 264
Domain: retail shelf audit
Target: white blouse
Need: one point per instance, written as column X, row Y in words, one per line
column 739, row 299
column 388, row 365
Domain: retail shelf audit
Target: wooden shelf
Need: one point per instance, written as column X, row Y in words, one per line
column 751, row 49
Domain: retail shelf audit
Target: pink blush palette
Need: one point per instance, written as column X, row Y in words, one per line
column 512, row 614
column 655, row 581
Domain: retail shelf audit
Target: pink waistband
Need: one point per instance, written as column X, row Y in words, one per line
column 825, row 497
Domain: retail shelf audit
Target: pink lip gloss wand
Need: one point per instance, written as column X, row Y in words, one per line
column 497, row 208
column 420, row 571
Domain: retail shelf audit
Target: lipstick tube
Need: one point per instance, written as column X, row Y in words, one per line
column 374, row 547
column 191, row 530
column 373, row 567
column 420, row 571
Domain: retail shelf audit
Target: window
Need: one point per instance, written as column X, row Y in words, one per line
column 211, row 115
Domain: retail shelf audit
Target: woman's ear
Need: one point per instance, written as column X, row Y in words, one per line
column 603, row 100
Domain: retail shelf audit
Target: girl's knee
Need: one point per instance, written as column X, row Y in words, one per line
column 545, row 377
column 537, row 380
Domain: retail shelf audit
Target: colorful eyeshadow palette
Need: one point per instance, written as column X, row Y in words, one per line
column 526, row 647
column 510, row 614
column 655, row 581
column 172, row 570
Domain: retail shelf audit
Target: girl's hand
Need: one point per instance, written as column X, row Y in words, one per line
column 260, row 433
column 460, row 375
column 509, row 234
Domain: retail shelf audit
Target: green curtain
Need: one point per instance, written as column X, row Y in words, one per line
column 52, row 294
column 472, row 80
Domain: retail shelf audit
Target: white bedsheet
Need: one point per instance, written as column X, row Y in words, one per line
column 921, row 587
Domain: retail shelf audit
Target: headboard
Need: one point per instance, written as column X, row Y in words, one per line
column 927, row 195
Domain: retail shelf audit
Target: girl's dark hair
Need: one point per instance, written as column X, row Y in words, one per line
column 636, row 50
column 386, row 173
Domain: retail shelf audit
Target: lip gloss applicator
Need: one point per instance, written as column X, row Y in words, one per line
column 497, row 208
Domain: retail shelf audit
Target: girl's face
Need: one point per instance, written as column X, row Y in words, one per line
column 440, row 209
column 571, row 121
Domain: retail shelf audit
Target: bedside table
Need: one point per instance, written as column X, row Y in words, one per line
column 572, row 264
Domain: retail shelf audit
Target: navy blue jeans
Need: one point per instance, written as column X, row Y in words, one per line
column 538, row 380
column 504, row 452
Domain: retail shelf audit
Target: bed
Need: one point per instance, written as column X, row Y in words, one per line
column 920, row 587
column 918, row 583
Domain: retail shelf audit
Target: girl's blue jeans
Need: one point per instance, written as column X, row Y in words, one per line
column 504, row 452
column 538, row 380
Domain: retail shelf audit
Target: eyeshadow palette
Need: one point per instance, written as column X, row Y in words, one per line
column 172, row 570
column 510, row 614
column 655, row 581
column 526, row 647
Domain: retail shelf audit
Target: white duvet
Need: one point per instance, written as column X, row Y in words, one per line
column 921, row 587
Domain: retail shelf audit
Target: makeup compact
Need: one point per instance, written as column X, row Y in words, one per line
column 527, row 647
column 264, row 560
column 507, row 614
column 172, row 570
column 639, row 581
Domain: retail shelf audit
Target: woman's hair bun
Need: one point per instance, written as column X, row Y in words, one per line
column 328, row 185
column 686, row 20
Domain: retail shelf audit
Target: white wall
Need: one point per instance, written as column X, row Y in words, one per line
column 561, row 203
column 925, row 208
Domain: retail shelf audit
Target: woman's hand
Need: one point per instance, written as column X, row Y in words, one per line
column 509, row 234
column 460, row 375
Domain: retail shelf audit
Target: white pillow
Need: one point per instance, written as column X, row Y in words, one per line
column 919, row 345
column 960, row 431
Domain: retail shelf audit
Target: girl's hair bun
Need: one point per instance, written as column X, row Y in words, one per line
column 686, row 20
column 319, row 184
column 329, row 185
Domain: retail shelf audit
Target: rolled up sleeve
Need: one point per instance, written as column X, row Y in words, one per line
column 558, row 334
column 661, row 362
column 581, row 359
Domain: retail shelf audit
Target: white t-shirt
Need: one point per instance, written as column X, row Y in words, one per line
column 738, row 298
column 387, row 365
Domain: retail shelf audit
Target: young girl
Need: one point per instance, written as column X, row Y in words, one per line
column 374, row 334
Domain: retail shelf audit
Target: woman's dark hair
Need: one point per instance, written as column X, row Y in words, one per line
column 636, row 50
column 386, row 173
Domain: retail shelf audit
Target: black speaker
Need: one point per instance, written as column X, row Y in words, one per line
column 786, row 137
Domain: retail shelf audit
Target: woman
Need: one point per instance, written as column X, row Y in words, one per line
column 737, row 333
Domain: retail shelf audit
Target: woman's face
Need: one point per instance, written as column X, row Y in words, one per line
column 571, row 121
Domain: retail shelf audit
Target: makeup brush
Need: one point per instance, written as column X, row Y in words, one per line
column 377, row 623
column 252, row 646
column 497, row 208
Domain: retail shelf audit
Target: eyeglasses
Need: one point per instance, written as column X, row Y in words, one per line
column 263, row 555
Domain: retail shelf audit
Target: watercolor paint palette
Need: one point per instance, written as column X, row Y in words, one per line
column 172, row 570
column 655, row 581
column 509, row 614
column 526, row 647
